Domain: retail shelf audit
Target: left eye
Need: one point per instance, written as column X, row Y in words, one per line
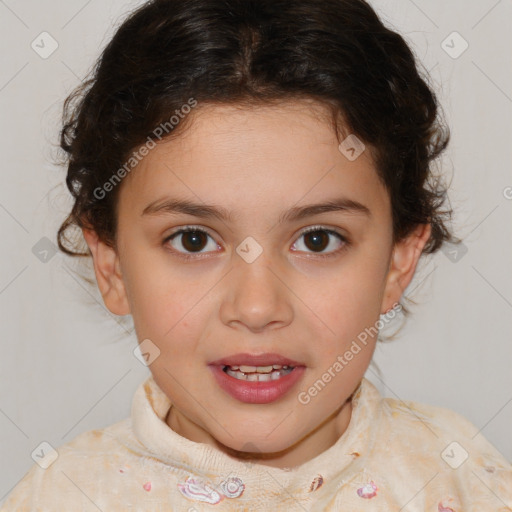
column 318, row 239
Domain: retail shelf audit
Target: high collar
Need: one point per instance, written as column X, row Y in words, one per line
column 343, row 459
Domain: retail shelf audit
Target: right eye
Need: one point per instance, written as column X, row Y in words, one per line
column 192, row 239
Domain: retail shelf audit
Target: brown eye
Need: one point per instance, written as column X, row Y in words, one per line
column 318, row 239
column 191, row 240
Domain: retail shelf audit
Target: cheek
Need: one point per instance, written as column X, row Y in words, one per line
column 163, row 304
column 344, row 307
column 347, row 299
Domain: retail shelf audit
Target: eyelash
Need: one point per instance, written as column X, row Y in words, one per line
column 313, row 229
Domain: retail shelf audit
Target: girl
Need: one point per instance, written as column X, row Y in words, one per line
column 253, row 180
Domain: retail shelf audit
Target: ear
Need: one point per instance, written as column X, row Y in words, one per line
column 403, row 261
column 108, row 274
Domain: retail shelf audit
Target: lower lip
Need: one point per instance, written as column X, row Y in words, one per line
column 257, row 392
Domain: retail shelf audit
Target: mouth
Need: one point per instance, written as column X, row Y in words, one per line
column 257, row 379
column 256, row 360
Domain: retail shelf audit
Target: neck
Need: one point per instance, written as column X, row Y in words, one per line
column 313, row 444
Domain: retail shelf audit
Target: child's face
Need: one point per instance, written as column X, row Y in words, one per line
column 256, row 164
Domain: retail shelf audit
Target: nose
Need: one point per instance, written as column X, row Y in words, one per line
column 257, row 295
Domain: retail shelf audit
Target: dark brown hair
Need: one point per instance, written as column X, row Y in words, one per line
column 246, row 52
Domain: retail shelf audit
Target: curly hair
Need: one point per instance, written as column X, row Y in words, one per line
column 250, row 52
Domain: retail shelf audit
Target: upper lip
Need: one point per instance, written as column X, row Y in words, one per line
column 245, row 359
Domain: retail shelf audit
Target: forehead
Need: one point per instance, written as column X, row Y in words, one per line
column 238, row 156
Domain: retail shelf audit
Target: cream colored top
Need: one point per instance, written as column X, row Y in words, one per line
column 394, row 456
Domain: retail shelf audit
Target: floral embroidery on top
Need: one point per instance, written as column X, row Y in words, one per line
column 443, row 507
column 232, row 487
column 316, row 483
column 197, row 489
column 368, row 491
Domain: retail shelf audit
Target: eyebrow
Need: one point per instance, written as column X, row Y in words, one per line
column 184, row 206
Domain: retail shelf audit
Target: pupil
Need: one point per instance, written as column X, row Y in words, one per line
column 318, row 238
column 196, row 239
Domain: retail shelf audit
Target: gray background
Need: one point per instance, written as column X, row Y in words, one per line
column 64, row 372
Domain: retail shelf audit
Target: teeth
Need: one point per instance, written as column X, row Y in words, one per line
column 258, row 369
column 266, row 374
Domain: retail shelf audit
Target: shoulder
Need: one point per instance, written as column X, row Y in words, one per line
column 62, row 474
column 419, row 420
column 445, row 446
column 439, row 421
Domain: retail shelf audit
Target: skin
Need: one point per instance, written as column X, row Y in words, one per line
column 256, row 163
